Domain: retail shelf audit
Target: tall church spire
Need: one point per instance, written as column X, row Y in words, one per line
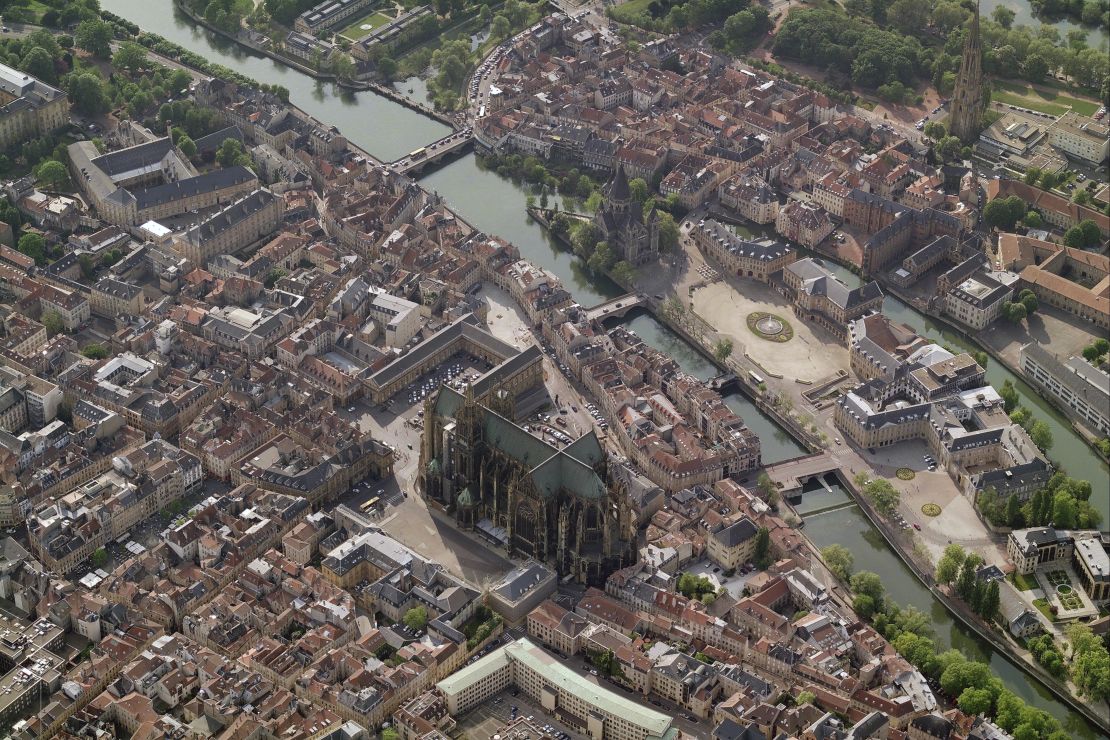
column 967, row 100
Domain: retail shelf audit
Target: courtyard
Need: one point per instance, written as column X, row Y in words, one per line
column 364, row 25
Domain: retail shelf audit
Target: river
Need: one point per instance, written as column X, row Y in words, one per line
column 496, row 205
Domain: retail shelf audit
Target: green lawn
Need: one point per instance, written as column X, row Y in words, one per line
column 1042, row 606
column 630, row 9
column 1053, row 103
column 1021, row 583
column 355, row 31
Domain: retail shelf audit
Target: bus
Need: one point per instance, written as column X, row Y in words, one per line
column 368, row 505
column 419, row 153
column 756, row 378
column 482, row 112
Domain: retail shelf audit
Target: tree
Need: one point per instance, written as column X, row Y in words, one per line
column 500, row 27
column 949, row 148
column 387, row 66
column 866, row 583
column 86, row 90
column 839, row 560
column 602, row 259
column 95, row 351
column 623, row 272
column 53, row 322
column 638, row 189
column 230, row 153
column 1032, row 219
column 965, row 582
column 762, row 553
column 1003, row 213
column 668, row 232
column 130, row 57
column 948, row 567
column 99, row 558
column 344, row 67
column 38, row 63
column 805, row 697
column 1091, row 233
column 1013, row 312
column 1029, row 299
column 187, row 146
column 1090, row 663
column 1032, row 174
column 988, row 608
column 52, row 174
column 974, row 701
column 416, row 619
column 95, row 37
column 1041, row 435
column 1003, row 16
column 1035, row 68
column 908, row 16
column 883, row 495
column 722, row 350
column 935, row 130
column 34, row 246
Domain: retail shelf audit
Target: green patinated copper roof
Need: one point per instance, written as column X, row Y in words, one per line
column 552, row 470
column 465, row 499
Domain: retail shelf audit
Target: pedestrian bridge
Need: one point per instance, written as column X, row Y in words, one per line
column 616, row 307
column 412, row 163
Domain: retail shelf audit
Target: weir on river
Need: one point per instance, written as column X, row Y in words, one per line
column 389, row 131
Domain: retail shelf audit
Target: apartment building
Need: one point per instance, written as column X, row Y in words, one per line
column 733, row 545
column 1077, row 385
column 750, row 196
column 70, row 305
column 1073, row 280
column 28, row 107
column 804, row 223
column 111, row 298
column 399, row 318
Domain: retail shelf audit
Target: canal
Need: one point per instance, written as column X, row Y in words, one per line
column 496, row 205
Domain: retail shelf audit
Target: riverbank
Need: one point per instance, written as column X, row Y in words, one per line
column 352, row 85
column 960, row 611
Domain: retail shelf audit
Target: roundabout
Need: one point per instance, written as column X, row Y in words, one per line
column 770, row 327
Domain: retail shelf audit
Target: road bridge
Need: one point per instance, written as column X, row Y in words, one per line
column 790, row 476
column 616, row 307
column 412, row 163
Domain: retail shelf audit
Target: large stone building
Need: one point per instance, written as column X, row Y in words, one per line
column 557, row 506
column 758, row 260
column 621, row 223
column 820, row 297
column 28, row 107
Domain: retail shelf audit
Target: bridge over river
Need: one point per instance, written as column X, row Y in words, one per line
column 412, row 163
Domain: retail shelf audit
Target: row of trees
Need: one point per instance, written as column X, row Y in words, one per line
column 883, row 495
column 971, row 684
column 1025, row 305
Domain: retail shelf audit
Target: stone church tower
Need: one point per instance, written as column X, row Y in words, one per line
column 967, row 100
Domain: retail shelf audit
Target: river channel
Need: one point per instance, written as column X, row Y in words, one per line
column 388, row 130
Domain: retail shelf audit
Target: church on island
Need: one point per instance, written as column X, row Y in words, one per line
column 620, row 221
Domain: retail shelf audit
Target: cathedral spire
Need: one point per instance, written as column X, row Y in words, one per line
column 967, row 100
column 619, row 191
